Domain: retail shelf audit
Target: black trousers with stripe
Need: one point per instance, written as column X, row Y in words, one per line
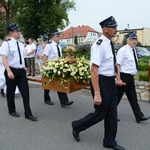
column 107, row 111
column 21, row 81
column 130, row 92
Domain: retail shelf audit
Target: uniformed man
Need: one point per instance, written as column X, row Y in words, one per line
column 52, row 50
column 103, row 87
column 127, row 62
column 13, row 55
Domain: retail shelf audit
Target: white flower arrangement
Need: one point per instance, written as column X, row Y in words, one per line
column 66, row 70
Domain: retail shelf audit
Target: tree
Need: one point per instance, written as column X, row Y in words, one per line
column 42, row 17
column 124, row 42
column 37, row 17
column 76, row 40
column 139, row 44
column 7, row 15
column 2, row 27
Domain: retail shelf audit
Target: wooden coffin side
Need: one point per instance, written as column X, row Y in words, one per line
column 56, row 85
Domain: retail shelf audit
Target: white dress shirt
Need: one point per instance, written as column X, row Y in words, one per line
column 102, row 56
column 125, row 59
column 10, row 50
column 51, row 51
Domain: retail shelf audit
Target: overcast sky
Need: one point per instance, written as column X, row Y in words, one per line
column 136, row 13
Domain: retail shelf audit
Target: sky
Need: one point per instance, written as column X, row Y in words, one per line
column 130, row 14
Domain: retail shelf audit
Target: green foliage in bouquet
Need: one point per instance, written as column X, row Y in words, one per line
column 64, row 70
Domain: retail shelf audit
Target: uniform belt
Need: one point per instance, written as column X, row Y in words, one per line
column 16, row 68
column 126, row 74
column 109, row 77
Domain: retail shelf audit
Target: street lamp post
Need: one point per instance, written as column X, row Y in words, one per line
column 72, row 35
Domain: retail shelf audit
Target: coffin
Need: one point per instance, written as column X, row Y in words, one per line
column 66, row 87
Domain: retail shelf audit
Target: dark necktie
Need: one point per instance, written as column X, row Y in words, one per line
column 19, row 52
column 135, row 59
column 113, row 51
column 58, row 51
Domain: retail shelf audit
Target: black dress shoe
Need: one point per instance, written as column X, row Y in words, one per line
column 117, row 147
column 142, row 119
column 14, row 114
column 76, row 135
column 118, row 119
column 49, row 103
column 2, row 94
column 67, row 104
column 30, row 117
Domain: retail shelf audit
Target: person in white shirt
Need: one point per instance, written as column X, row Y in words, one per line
column 39, row 51
column 13, row 55
column 30, row 52
column 2, row 77
column 103, row 87
column 52, row 50
column 127, row 62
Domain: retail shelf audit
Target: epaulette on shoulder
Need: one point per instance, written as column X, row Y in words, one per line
column 7, row 40
column 99, row 42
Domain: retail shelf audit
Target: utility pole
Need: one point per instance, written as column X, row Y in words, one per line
column 72, row 35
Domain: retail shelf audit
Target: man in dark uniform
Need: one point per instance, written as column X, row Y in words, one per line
column 127, row 62
column 52, row 50
column 13, row 55
column 103, row 87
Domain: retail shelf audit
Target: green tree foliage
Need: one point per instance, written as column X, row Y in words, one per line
column 139, row 44
column 124, row 42
column 2, row 27
column 42, row 17
column 38, row 17
column 7, row 15
column 76, row 40
column 143, row 67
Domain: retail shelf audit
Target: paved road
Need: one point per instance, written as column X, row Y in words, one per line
column 52, row 131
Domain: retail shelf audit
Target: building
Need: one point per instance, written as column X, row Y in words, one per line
column 85, row 35
column 142, row 33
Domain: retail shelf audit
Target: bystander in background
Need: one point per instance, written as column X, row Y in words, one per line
column 39, row 51
column 30, row 52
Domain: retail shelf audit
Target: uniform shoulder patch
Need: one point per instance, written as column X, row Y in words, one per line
column 99, row 41
column 7, row 40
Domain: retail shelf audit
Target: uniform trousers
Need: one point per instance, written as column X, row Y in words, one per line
column 107, row 111
column 63, row 98
column 130, row 91
column 21, row 81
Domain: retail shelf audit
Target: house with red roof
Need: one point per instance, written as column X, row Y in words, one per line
column 85, row 35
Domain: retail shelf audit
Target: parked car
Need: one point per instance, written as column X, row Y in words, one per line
column 117, row 46
column 148, row 48
column 142, row 51
column 62, row 44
